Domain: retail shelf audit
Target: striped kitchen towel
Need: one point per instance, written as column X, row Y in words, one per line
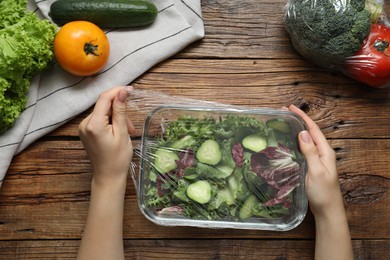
column 55, row 96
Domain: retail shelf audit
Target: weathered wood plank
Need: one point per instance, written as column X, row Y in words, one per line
column 244, row 249
column 252, row 29
column 342, row 111
column 46, row 194
column 66, row 219
column 187, row 249
column 245, row 28
column 341, row 107
column 46, row 163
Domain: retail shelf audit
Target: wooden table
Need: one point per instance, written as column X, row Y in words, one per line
column 245, row 59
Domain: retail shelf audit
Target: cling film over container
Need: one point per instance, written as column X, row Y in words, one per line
column 214, row 165
column 350, row 36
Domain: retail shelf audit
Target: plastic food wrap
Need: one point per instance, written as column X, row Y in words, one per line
column 212, row 165
column 351, row 36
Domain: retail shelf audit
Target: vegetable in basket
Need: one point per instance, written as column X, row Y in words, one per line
column 25, row 50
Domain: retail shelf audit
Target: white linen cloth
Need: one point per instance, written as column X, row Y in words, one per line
column 55, row 96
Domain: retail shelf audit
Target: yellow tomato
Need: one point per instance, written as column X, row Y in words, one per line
column 81, row 48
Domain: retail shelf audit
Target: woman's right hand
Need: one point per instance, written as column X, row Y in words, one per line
column 322, row 183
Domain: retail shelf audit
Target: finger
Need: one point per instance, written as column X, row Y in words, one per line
column 83, row 125
column 315, row 132
column 119, row 116
column 102, row 110
column 324, row 150
column 309, row 150
column 309, row 122
column 130, row 126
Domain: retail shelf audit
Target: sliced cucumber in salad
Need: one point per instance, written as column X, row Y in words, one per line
column 255, row 142
column 199, row 191
column 280, row 125
column 186, row 141
column 165, row 160
column 209, row 152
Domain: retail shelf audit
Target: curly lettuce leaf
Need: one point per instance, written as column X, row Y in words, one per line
column 11, row 12
column 199, row 129
column 26, row 49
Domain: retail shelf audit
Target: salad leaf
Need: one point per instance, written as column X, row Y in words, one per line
column 238, row 154
column 260, row 210
column 199, row 129
column 11, row 12
column 25, row 50
column 186, row 159
column 233, row 125
column 237, row 185
column 276, row 166
column 227, row 154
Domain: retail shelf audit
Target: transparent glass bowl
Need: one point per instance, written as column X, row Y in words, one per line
column 252, row 189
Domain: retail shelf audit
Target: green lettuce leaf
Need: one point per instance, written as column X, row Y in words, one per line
column 11, row 11
column 26, row 49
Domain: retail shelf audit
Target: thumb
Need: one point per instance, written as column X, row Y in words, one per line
column 309, row 150
column 119, row 120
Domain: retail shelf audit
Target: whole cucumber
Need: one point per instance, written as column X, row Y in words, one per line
column 104, row 13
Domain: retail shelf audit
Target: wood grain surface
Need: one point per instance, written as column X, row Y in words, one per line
column 246, row 58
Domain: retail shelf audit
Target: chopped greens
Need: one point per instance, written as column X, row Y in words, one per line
column 211, row 169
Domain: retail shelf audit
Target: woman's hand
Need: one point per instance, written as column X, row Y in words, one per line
column 333, row 240
column 322, row 183
column 105, row 136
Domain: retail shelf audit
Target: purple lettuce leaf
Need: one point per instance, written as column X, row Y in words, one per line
column 238, row 154
column 276, row 166
column 171, row 211
column 186, row 159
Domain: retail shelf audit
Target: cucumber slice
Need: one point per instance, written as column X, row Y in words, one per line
column 199, row 191
column 165, row 160
column 225, row 170
column 280, row 125
column 190, row 173
column 186, row 141
column 223, row 196
column 255, row 142
column 246, row 210
column 209, row 153
column 213, row 172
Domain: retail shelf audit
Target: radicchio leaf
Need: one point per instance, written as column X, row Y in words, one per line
column 171, row 211
column 159, row 183
column 277, row 167
column 238, row 154
column 186, row 159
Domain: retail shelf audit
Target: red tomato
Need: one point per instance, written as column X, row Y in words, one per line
column 81, row 48
column 371, row 64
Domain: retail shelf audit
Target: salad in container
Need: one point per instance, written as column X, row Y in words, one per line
column 222, row 168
